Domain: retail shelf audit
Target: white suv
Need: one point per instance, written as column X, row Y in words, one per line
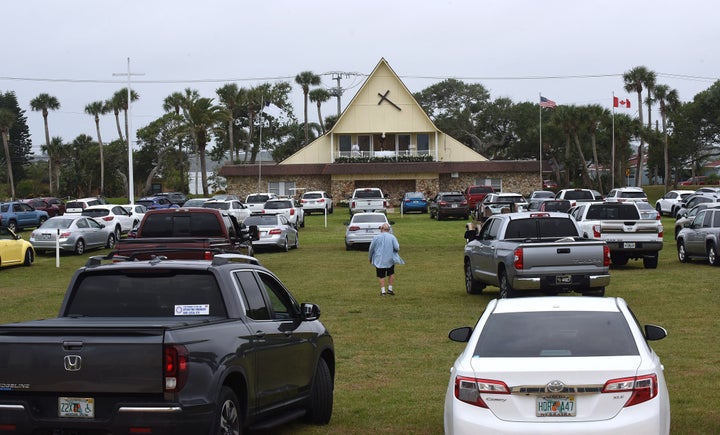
column 230, row 206
column 255, row 201
column 76, row 206
column 112, row 216
column 626, row 194
column 317, row 200
column 288, row 207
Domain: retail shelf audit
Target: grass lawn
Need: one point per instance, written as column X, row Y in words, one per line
column 393, row 354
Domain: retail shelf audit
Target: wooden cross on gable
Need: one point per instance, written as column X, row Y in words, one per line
column 383, row 97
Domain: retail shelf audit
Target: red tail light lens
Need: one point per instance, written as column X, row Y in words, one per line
column 643, row 388
column 292, row 212
column 596, row 231
column 518, row 259
column 107, row 218
column 275, row 231
column 353, row 228
column 468, row 390
column 175, row 367
column 606, row 256
column 207, row 255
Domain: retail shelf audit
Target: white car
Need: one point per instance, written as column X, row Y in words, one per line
column 316, row 201
column 112, row 216
column 362, row 227
column 670, row 202
column 275, row 231
column 230, row 206
column 289, row 207
column 256, row 201
column 137, row 211
column 557, row 365
column 76, row 206
column 626, row 194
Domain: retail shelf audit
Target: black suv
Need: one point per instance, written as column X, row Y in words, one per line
column 178, row 198
column 446, row 204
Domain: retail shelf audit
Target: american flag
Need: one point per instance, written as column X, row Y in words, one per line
column 544, row 102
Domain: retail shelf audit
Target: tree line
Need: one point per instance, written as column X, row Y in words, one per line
column 577, row 140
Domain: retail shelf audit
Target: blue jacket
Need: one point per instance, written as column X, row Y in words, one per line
column 384, row 250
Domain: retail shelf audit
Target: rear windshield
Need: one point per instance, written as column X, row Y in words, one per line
column 144, row 202
column 453, row 198
column 277, row 205
column 544, row 227
column 312, row 196
column 578, row 194
column 217, row 205
column 77, row 204
column 613, row 212
column 162, row 293
column 96, row 213
column 257, row 199
column 368, row 194
column 414, row 195
column 633, row 195
column 360, row 218
column 562, row 206
column 555, row 334
column 261, row 220
column 481, row 189
column 182, row 225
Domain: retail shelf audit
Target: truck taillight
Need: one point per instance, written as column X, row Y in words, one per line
column 352, row 204
column 596, row 231
column 518, row 258
column 292, row 212
column 385, row 204
column 468, row 390
column 175, row 367
column 606, row 256
column 643, row 388
column 207, row 255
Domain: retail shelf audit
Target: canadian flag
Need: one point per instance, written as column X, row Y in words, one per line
column 621, row 103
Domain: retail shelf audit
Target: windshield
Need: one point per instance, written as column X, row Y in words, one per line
column 312, row 196
column 362, row 194
column 359, row 218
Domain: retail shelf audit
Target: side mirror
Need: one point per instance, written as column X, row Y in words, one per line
column 309, row 311
column 654, row 332
column 461, row 335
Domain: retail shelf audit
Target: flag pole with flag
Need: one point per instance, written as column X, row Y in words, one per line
column 550, row 104
column 625, row 104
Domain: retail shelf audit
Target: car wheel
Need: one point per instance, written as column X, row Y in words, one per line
column 659, row 209
column 111, row 241
column 439, row 216
column 29, row 257
column 471, row 286
column 650, row 261
column 619, row 259
column 229, row 418
column 80, row 247
column 286, row 245
column 12, row 226
column 42, row 220
column 348, row 247
column 506, row 290
column 302, row 224
column 297, row 241
column 320, row 405
column 331, row 210
column 712, row 254
column 118, row 232
column 682, row 253
column 432, row 215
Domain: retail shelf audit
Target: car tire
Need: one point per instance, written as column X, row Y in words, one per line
column 506, row 290
column 79, row 247
column 658, row 208
column 12, row 226
column 118, row 232
column 29, row 257
column 320, row 404
column 331, row 210
column 619, row 259
column 348, row 247
column 228, row 419
column 650, row 261
column 297, row 241
column 712, row 253
column 682, row 252
column 42, row 220
column 286, row 245
column 472, row 286
column 111, row 241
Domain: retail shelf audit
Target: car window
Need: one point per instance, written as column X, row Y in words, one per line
column 281, row 303
column 359, row 218
column 252, row 296
column 578, row 194
column 453, row 198
column 277, row 205
column 312, row 196
column 95, row 212
column 257, row 199
column 261, row 220
column 82, row 223
column 555, row 334
column 613, row 212
column 368, row 194
column 631, row 194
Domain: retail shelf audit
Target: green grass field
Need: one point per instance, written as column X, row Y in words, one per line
column 393, row 354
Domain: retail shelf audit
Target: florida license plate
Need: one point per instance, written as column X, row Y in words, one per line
column 563, row 279
column 629, row 245
column 79, row 407
column 556, row 406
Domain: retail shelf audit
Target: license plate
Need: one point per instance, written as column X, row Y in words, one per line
column 563, row 279
column 46, row 236
column 80, row 407
column 556, row 406
column 454, row 206
column 629, row 245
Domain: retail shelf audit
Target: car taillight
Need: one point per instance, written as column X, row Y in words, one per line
column 643, row 388
column 107, row 218
column 207, row 255
column 661, row 232
column 518, row 258
column 275, row 231
column 321, row 200
column 596, row 231
column 175, row 367
column 464, row 202
column 353, row 228
column 606, row 256
column 292, row 211
column 468, row 390
column 443, row 203
column 65, row 235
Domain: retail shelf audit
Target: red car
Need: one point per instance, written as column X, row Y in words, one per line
column 694, row 181
column 550, row 185
column 52, row 206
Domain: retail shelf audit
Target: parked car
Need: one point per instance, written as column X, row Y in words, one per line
column 626, row 194
column 275, row 231
column 18, row 215
column 76, row 206
column 76, row 234
column 475, row 194
column 551, row 365
column 688, row 216
column 647, row 211
column 196, row 202
column 316, row 200
column 14, row 250
column 156, row 202
column 362, row 227
column 501, row 202
column 447, row 204
column 698, row 180
column 225, row 197
column 537, row 194
column 701, row 239
column 52, row 209
column 113, row 216
column 289, row 207
column 549, row 184
column 414, row 201
column 695, row 199
column 256, row 201
column 576, row 195
column 233, row 207
column 178, row 198
column 669, row 203
column 136, row 211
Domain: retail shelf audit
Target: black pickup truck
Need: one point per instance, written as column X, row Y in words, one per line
column 171, row 347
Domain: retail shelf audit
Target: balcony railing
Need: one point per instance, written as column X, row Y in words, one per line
column 383, row 156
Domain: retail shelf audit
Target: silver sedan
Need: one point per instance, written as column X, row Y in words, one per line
column 275, row 231
column 75, row 234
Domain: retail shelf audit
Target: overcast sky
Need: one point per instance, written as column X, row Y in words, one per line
column 571, row 51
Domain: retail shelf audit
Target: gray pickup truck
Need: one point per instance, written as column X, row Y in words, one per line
column 534, row 251
column 168, row 346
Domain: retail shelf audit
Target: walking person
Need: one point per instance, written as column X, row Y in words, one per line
column 384, row 255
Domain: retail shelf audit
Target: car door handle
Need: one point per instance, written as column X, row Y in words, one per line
column 259, row 334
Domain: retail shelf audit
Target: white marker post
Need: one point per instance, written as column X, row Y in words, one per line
column 57, row 249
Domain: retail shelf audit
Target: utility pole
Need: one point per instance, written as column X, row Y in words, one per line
column 131, row 182
column 337, row 91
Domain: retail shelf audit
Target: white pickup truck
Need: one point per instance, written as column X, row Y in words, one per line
column 621, row 227
column 368, row 199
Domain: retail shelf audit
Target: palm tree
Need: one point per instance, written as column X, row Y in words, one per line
column 319, row 96
column 95, row 109
column 201, row 118
column 43, row 103
column 57, row 152
column 594, row 115
column 668, row 100
column 7, row 119
column 306, row 79
column 634, row 81
column 121, row 97
column 115, row 104
column 650, row 83
column 229, row 97
column 174, row 102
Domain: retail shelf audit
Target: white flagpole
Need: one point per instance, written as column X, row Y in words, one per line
column 612, row 157
column 540, row 154
column 262, row 108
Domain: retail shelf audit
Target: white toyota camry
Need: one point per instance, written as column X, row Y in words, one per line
column 557, row 365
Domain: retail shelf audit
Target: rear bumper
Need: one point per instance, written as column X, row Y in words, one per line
column 635, row 248
column 576, row 283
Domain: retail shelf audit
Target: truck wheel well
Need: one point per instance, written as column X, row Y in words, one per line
column 237, row 382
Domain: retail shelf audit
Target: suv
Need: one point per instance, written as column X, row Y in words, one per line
column 701, row 238
column 230, row 206
column 112, row 216
column 317, row 200
column 156, row 202
column 76, row 206
column 626, row 194
column 475, row 194
column 576, row 195
column 447, row 204
column 256, row 201
column 178, row 198
column 288, row 207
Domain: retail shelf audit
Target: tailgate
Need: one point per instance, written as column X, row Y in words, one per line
column 562, row 256
column 89, row 359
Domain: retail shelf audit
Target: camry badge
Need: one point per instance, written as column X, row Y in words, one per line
column 555, row 386
column 72, row 362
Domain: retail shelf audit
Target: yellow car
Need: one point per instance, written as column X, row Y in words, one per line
column 14, row 250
